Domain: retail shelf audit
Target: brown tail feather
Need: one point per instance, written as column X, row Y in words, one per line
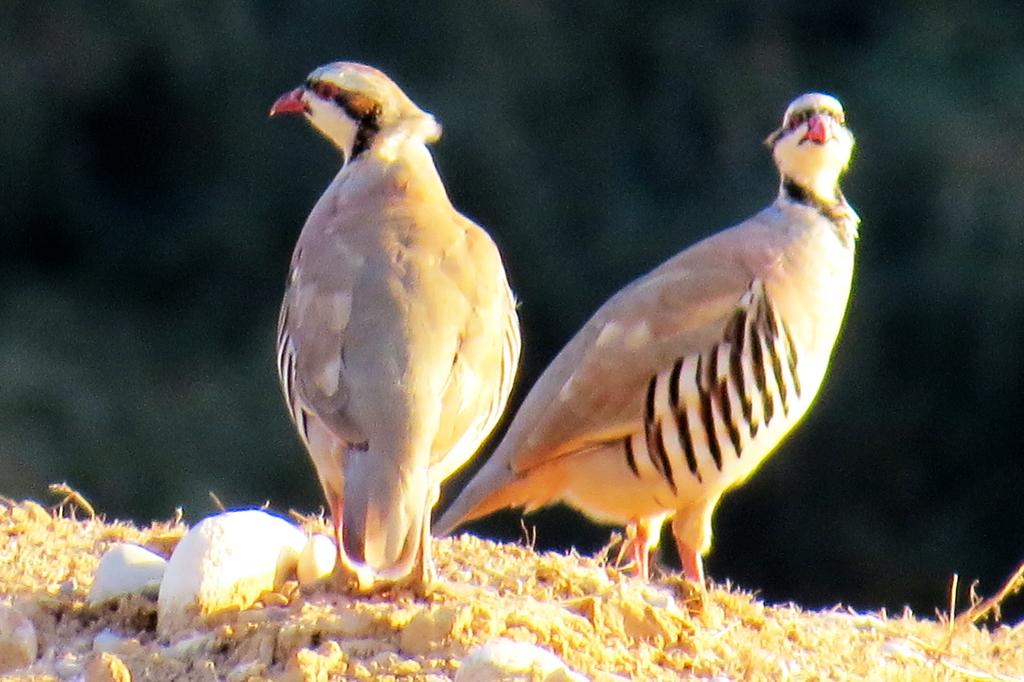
column 490, row 491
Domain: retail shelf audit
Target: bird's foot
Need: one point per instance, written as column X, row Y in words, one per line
column 636, row 545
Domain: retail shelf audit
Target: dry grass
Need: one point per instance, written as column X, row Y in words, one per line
column 601, row 622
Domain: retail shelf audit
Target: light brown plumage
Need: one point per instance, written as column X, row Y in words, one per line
column 398, row 339
column 684, row 381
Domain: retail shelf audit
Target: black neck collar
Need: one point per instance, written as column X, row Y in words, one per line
column 364, row 138
column 801, row 195
column 837, row 211
column 367, row 116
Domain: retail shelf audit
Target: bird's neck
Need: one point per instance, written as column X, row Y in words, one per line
column 409, row 166
column 362, row 140
column 830, row 203
column 818, row 197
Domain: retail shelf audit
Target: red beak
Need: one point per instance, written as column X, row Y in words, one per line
column 817, row 129
column 290, row 103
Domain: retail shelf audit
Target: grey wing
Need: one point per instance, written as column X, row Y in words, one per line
column 484, row 367
column 593, row 390
column 310, row 337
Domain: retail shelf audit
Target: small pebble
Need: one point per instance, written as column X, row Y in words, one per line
column 248, row 670
column 316, row 562
column 18, row 643
column 106, row 641
column 504, row 659
column 426, row 631
column 191, row 646
column 69, row 665
column 106, row 667
column 126, row 569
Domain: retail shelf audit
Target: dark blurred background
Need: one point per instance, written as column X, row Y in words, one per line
column 149, row 209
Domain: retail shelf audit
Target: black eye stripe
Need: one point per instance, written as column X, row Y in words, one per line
column 798, row 117
column 359, row 107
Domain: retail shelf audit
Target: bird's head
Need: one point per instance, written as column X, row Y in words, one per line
column 358, row 108
column 813, row 146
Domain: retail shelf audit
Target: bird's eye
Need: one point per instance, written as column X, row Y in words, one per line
column 323, row 89
column 797, row 118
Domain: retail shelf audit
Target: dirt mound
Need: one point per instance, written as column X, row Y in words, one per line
column 600, row 622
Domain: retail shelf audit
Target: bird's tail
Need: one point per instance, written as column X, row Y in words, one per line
column 496, row 487
column 385, row 509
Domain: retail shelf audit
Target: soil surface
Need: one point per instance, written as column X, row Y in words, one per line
column 604, row 624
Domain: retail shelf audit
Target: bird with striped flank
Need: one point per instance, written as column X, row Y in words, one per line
column 398, row 339
column 684, row 381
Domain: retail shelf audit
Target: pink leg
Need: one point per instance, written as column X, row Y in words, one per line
column 641, row 553
column 693, row 566
column 424, row 575
column 638, row 533
column 334, row 501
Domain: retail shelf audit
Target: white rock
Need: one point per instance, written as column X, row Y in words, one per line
column 109, row 642
column 245, row 671
column 194, row 644
column 106, row 641
column 504, row 660
column 903, row 649
column 126, row 569
column 18, row 643
column 69, row 665
column 225, row 562
column 316, row 562
column 660, row 598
